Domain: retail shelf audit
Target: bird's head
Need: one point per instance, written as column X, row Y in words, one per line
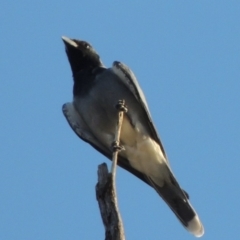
column 81, row 55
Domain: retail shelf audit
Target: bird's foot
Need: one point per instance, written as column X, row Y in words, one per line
column 121, row 106
column 116, row 147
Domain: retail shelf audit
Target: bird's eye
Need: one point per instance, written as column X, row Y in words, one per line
column 86, row 46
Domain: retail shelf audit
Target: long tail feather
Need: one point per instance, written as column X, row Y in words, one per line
column 177, row 200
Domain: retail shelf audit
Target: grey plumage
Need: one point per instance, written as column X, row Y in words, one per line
column 93, row 117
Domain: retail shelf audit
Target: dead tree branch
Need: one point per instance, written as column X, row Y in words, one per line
column 106, row 187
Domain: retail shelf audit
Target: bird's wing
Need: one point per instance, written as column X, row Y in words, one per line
column 81, row 129
column 128, row 78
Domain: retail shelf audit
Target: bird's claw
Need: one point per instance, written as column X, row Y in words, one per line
column 116, row 147
column 121, row 106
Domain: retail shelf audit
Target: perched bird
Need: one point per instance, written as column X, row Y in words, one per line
column 93, row 117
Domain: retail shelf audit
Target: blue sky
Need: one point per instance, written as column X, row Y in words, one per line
column 186, row 56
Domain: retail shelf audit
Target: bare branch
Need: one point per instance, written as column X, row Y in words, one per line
column 106, row 187
column 116, row 147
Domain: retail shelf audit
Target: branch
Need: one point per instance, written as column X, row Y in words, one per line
column 106, row 187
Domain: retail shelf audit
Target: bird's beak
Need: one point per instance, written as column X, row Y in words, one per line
column 69, row 42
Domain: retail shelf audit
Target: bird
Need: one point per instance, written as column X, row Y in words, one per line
column 93, row 117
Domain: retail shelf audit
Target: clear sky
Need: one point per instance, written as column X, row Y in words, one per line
column 186, row 56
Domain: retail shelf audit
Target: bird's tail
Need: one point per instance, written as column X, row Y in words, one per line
column 177, row 200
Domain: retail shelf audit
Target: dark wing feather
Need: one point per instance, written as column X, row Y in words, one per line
column 129, row 79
